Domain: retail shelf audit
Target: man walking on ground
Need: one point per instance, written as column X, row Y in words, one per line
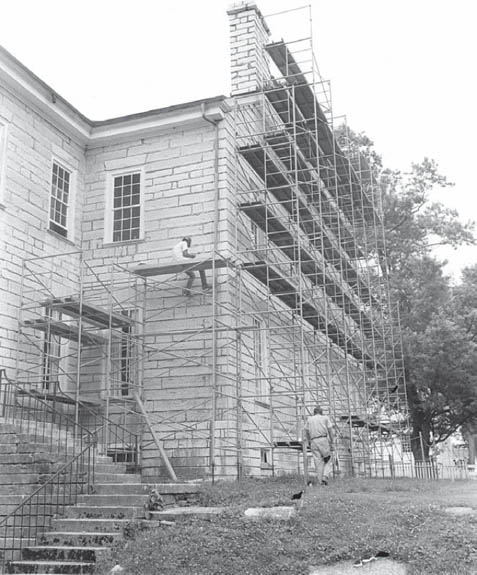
column 181, row 254
column 319, row 435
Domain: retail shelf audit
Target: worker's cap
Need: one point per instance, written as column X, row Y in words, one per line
column 187, row 239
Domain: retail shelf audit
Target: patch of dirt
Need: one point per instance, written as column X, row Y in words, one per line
column 459, row 510
column 378, row 567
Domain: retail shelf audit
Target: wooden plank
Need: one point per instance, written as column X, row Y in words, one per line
column 176, row 268
column 62, row 329
column 93, row 314
column 56, row 397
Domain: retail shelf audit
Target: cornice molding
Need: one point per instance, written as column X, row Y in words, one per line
column 89, row 133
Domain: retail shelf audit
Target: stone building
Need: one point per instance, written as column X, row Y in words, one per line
column 285, row 220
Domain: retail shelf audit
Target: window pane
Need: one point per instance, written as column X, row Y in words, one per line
column 59, row 198
column 126, row 220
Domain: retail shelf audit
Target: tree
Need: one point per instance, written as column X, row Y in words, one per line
column 438, row 341
column 413, row 223
column 464, row 298
column 441, row 362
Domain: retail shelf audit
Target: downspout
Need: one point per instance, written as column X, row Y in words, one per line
column 215, row 242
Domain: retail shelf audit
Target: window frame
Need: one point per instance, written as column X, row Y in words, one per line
column 4, row 128
column 261, row 361
column 71, row 201
column 123, row 369
column 110, row 209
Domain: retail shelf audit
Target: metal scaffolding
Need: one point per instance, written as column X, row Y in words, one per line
column 77, row 345
column 298, row 315
column 314, row 282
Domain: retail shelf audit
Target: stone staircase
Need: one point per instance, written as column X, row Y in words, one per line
column 74, row 541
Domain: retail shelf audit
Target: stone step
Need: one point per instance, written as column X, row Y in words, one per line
column 33, row 478
column 105, row 511
column 26, row 489
column 25, row 468
column 86, row 524
column 10, row 499
column 79, row 538
column 138, row 488
column 24, row 458
column 177, row 513
column 177, row 488
column 11, row 547
column 37, row 507
column 63, row 553
column 122, row 488
column 134, row 500
column 108, row 478
column 60, row 567
column 111, row 468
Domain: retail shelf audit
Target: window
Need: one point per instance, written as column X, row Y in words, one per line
column 126, row 207
column 260, row 358
column 259, row 240
column 123, row 363
column 51, row 355
column 3, row 157
column 60, row 200
column 265, row 458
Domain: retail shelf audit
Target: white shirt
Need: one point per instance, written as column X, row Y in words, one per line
column 178, row 252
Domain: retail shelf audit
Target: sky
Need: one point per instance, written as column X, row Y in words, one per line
column 402, row 71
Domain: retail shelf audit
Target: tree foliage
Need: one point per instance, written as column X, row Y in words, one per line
column 413, row 222
column 439, row 324
column 441, row 363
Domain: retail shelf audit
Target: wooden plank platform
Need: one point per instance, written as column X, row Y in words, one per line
column 62, row 329
column 56, row 397
column 176, row 268
column 293, row 444
column 93, row 314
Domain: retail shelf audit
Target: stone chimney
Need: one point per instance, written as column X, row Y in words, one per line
column 249, row 35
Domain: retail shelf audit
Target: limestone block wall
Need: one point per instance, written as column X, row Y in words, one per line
column 248, row 35
column 178, row 167
column 31, row 145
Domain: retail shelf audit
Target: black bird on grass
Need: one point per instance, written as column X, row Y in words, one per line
column 297, row 496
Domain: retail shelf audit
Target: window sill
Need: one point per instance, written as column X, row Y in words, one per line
column 123, row 243
column 60, row 237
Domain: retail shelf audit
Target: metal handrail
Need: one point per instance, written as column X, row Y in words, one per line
column 56, row 428
column 106, row 428
column 33, row 515
column 67, row 438
column 109, row 434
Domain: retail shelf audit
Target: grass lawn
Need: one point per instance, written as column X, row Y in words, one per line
column 347, row 520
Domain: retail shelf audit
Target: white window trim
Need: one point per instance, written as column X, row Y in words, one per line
column 71, row 211
column 109, row 203
column 3, row 159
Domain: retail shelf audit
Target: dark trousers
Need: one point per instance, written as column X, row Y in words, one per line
column 191, row 278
